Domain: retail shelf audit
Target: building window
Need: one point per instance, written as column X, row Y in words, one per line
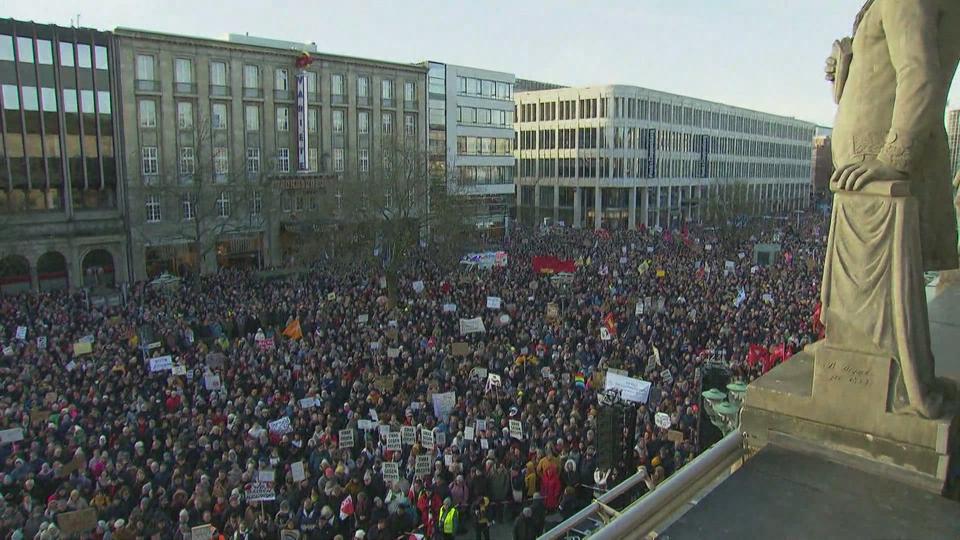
column 183, row 71
column 84, row 59
column 148, row 160
column 312, row 158
column 44, row 52
column 251, row 76
column 409, row 91
column 338, row 159
column 188, row 206
column 256, row 203
column 338, row 121
column 223, row 205
column 218, row 73
column 386, row 89
column 283, row 119
column 219, row 115
column 187, row 165
column 251, row 115
column 280, row 80
column 311, row 82
column 312, row 119
column 487, row 88
column 253, row 160
column 461, row 85
column 387, row 119
column 153, row 209
column 504, row 90
column 363, row 87
column 363, row 122
column 283, row 160
column 148, row 113
column 6, row 48
column 410, row 124
column 145, row 70
column 336, row 84
column 184, row 115
column 364, row 159
column 66, row 54
column 473, row 86
column 100, row 54
column 221, row 163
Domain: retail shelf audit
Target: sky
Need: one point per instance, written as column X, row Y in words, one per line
column 766, row 55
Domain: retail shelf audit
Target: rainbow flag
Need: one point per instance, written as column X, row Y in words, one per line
column 580, row 380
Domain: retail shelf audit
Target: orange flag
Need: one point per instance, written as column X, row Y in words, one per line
column 292, row 330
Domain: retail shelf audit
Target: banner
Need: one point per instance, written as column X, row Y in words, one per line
column 493, row 302
column 553, row 265
column 443, row 404
column 635, row 390
column 161, row 363
column 485, row 260
column 259, row 491
column 472, row 326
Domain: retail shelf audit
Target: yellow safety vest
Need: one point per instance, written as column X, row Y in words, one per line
column 447, row 520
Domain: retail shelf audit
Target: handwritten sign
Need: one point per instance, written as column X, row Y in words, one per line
column 297, row 471
column 161, row 363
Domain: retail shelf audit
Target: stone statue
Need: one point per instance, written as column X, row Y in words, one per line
column 892, row 216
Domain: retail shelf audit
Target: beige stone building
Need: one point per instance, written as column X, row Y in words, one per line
column 230, row 144
column 623, row 156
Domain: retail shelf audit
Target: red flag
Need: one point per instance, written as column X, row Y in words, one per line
column 611, row 323
column 757, row 354
column 553, row 265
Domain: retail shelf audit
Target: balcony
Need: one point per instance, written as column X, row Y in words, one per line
column 144, row 85
column 185, row 88
column 410, row 105
column 363, row 101
column 338, row 99
column 253, row 93
column 219, row 90
column 388, row 102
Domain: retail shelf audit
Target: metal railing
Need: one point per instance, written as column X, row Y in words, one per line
column 638, row 518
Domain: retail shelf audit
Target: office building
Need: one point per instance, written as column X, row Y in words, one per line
column 621, row 156
column 822, row 160
column 232, row 143
column 471, row 138
column 60, row 180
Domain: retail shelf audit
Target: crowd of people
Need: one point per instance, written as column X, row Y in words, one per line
column 269, row 408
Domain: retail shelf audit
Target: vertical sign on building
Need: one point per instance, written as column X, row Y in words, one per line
column 704, row 156
column 302, row 136
column 650, row 143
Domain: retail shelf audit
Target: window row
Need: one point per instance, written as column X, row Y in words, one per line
column 221, row 207
column 484, row 174
column 40, row 51
column 470, row 86
column 662, row 168
column 484, row 146
column 187, row 161
column 484, row 117
column 35, row 99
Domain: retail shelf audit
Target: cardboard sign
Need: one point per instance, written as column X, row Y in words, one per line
column 81, row 348
column 346, row 438
column 662, row 420
column 12, row 435
column 422, row 465
column 553, row 311
column 259, row 491
column 408, row 434
column 426, row 439
column 494, row 302
column 280, row 426
column 460, row 348
column 516, row 430
column 39, row 416
column 391, row 472
column 384, row 383
column 161, row 363
column 78, row 521
column 394, row 442
column 297, row 471
column 675, row 436
column 449, row 308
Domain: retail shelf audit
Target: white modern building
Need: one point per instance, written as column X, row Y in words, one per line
column 471, row 137
column 621, row 156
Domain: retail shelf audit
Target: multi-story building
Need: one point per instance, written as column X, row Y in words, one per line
column 622, row 156
column 953, row 137
column 232, row 143
column 471, row 137
column 822, row 160
column 60, row 190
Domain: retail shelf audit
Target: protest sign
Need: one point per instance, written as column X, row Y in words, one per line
column 422, row 465
column 80, row 348
column 42, row 342
column 8, row 350
column 443, row 403
column 215, row 360
column 493, row 381
column 11, row 435
column 374, row 416
column 516, row 430
column 553, row 311
column 161, row 363
column 484, row 444
column 212, row 382
column 280, row 426
column 481, row 424
column 40, row 415
column 675, row 436
column 666, row 376
column 391, row 472
column 384, row 430
column 384, row 383
column 662, row 420
column 74, row 464
column 393, row 352
column 346, row 438
column 460, row 348
column 309, row 403
column 468, row 433
column 449, row 308
column 265, row 344
column 71, row 366
column 426, row 439
column 478, row 375
column 362, row 319
column 418, row 286
column 471, row 326
column 365, row 425
column 201, row 532
column 297, row 471
column 266, row 475
column 635, row 390
column 77, row 521
column 408, row 434
column 179, row 369
column 448, row 459
column 374, row 345
column 493, row 302
column 21, row 333
column 259, row 491
column 605, row 334
column 393, row 442
column 440, row 438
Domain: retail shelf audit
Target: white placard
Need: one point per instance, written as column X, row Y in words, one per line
column 391, row 472
column 346, row 438
column 212, row 382
column 394, row 442
column 426, row 438
column 493, row 302
column 374, row 416
column 11, row 435
column 485, row 444
column 383, row 430
column 635, row 390
column 448, row 459
column 259, row 491
column 440, row 438
column 443, row 404
column 662, row 420
column 21, row 333
column 179, row 369
column 408, row 434
column 365, row 425
column 393, row 352
column 472, row 326
column 280, row 426
column 481, row 424
column 516, row 430
column 422, row 465
column 362, row 319
column 161, row 363
column 309, row 403
column 297, row 471
column 449, row 308
column 418, row 286
column 266, row 475
column 468, row 433
column 666, row 376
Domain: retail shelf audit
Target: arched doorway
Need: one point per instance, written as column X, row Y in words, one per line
column 98, row 269
column 52, row 271
column 14, row 274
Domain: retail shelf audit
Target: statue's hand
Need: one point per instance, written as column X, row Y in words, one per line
column 853, row 176
column 830, row 70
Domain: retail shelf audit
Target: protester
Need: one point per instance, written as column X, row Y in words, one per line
column 259, row 406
